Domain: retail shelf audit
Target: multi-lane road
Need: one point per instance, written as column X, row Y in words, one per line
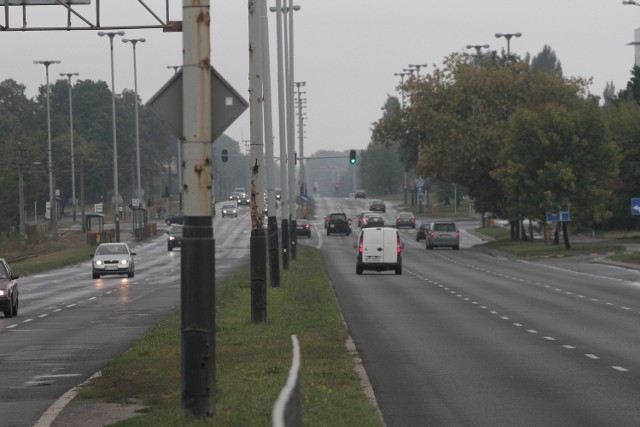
column 460, row 338
column 466, row 338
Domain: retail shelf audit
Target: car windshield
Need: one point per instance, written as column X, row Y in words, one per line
column 228, row 207
column 112, row 250
column 3, row 272
column 405, row 215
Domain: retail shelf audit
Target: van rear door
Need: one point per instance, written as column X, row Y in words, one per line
column 391, row 240
column 380, row 245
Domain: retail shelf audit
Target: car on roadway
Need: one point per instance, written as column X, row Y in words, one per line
column 443, row 233
column 405, row 219
column 243, row 197
column 377, row 205
column 229, row 210
column 177, row 218
column 112, row 258
column 9, row 292
column 421, row 232
column 361, row 215
column 303, row 228
column 174, row 237
column 372, row 220
column 360, row 194
column 339, row 223
column 379, row 249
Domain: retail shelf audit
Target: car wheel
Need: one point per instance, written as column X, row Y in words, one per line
column 358, row 269
column 14, row 310
column 399, row 270
column 96, row 276
column 8, row 313
column 328, row 233
column 429, row 247
column 456, row 247
column 169, row 248
column 417, row 239
column 130, row 274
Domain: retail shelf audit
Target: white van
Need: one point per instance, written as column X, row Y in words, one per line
column 379, row 249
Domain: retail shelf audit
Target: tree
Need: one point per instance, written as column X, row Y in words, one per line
column 546, row 61
column 381, row 170
column 556, row 159
column 609, row 93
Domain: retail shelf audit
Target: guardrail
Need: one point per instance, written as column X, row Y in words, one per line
column 287, row 411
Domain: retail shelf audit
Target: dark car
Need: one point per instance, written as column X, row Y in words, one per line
column 303, row 228
column 377, row 206
column 9, row 293
column 338, row 224
column 373, row 220
column 174, row 237
column 422, row 232
column 405, row 219
column 176, row 218
column 112, row 258
column 360, row 194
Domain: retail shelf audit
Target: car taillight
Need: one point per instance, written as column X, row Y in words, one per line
column 307, row 227
column 360, row 248
column 457, row 234
column 399, row 245
column 432, row 234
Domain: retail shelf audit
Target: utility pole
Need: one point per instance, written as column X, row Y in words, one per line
column 198, row 250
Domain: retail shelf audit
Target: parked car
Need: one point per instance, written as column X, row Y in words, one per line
column 177, row 218
column 377, row 205
column 360, row 194
column 372, row 220
column 174, row 237
column 361, row 216
column 423, row 229
column 339, row 224
column 303, row 228
column 9, row 292
column 112, row 258
column 443, row 233
column 405, row 219
column 229, row 210
column 379, row 249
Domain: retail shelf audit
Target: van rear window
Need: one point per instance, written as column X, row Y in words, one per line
column 444, row 227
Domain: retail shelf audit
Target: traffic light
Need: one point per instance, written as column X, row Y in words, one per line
column 352, row 157
column 225, row 155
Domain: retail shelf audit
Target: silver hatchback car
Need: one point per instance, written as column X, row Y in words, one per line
column 112, row 258
column 443, row 233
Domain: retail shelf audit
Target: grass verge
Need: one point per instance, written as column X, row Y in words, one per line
column 252, row 359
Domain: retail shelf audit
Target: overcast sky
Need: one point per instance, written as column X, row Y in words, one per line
column 346, row 51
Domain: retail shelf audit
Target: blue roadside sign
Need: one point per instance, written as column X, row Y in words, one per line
column 563, row 216
column 635, row 206
column 304, row 198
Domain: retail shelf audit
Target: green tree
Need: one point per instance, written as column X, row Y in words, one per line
column 381, row 170
column 546, row 60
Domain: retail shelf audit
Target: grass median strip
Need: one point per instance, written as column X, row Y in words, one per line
column 252, row 359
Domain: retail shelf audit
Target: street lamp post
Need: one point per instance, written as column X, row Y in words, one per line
column 630, row 2
column 73, row 162
column 116, row 195
column 417, row 68
column 52, row 196
column 478, row 48
column 303, row 182
column 401, row 75
column 176, row 68
column 135, row 86
column 508, row 36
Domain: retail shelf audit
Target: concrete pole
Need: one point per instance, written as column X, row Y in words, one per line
column 198, row 251
column 291, row 131
column 282, row 131
column 303, row 182
column 272, row 221
column 73, row 162
column 257, row 248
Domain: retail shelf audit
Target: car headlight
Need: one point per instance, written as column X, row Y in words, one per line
column 172, row 237
column 3, row 293
column 124, row 261
column 98, row 262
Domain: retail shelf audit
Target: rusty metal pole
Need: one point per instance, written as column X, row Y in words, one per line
column 258, row 242
column 198, row 250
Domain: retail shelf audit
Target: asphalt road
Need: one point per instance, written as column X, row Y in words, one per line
column 70, row 326
column 466, row 338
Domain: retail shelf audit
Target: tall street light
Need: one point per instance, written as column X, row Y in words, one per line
column 135, row 86
column 73, row 161
column 478, row 48
column 508, row 36
column 630, row 2
column 52, row 196
column 417, row 68
column 401, row 75
column 176, row 68
column 116, row 195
